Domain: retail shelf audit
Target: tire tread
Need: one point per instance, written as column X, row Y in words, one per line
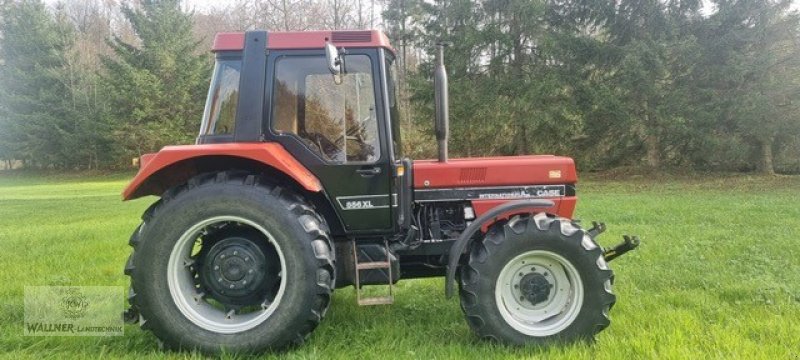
column 314, row 225
column 497, row 235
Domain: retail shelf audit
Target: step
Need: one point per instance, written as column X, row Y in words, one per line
column 373, row 265
column 379, row 300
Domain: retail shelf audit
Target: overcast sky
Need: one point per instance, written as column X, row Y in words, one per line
column 208, row 4
column 205, row 4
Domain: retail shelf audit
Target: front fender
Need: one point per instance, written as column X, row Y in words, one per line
column 486, row 219
column 174, row 163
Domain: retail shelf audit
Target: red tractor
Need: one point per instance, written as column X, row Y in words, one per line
column 297, row 185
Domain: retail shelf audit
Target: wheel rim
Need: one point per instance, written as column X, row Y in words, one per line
column 539, row 293
column 196, row 302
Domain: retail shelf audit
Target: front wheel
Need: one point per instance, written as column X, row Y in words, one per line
column 536, row 279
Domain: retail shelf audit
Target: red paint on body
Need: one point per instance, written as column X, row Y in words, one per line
column 307, row 40
column 494, row 171
column 228, row 42
column 162, row 168
column 500, row 171
column 564, row 207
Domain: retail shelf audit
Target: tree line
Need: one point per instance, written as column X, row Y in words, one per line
column 89, row 84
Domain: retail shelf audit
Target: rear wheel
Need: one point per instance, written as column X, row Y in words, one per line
column 229, row 262
column 536, row 279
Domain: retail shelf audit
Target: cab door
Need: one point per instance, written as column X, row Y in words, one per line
column 335, row 127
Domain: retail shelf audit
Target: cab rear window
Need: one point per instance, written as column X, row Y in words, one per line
column 219, row 117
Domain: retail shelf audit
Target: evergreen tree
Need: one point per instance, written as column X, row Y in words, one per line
column 623, row 82
column 752, row 68
column 157, row 83
column 35, row 116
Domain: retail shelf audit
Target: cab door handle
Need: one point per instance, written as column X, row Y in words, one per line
column 367, row 172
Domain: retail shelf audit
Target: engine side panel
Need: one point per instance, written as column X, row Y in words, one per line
column 492, row 181
column 494, row 171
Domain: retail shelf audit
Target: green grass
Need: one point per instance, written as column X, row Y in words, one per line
column 717, row 276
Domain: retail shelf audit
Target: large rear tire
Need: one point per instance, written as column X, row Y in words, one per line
column 230, row 262
column 536, row 280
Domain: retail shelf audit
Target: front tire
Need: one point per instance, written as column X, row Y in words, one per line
column 536, row 280
column 229, row 262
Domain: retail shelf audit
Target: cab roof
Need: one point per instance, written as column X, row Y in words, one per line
column 232, row 41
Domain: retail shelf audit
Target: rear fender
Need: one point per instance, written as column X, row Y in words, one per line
column 174, row 165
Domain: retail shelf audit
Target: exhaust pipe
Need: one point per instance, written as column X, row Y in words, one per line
column 441, row 102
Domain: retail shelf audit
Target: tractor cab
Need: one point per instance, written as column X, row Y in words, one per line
column 336, row 119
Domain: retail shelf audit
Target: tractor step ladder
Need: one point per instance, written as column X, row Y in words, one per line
column 373, row 265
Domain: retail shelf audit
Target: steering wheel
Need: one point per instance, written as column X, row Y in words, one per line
column 328, row 149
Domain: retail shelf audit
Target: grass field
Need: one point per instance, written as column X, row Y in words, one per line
column 717, row 276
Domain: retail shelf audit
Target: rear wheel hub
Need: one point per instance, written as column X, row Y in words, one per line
column 210, row 279
column 234, row 271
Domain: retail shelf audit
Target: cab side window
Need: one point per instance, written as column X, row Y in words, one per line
column 335, row 117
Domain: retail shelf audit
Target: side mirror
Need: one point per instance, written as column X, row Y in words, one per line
column 334, row 60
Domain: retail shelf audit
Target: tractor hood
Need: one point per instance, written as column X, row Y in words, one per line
column 492, row 181
column 494, row 171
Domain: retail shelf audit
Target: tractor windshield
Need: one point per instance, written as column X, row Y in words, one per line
column 394, row 113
